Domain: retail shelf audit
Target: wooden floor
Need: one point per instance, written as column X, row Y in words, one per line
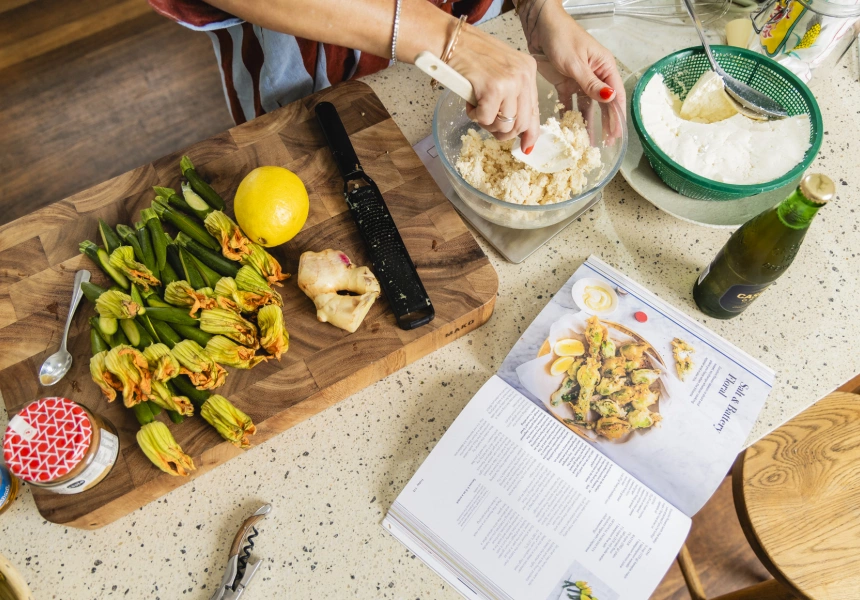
column 724, row 560
column 93, row 88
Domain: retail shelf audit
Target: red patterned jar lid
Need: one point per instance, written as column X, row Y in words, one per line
column 47, row 439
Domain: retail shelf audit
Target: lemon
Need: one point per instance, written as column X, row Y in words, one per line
column 271, row 205
column 569, row 347
column 561, row 365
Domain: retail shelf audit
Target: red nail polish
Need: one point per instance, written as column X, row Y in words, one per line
column 529, row 149
column 606, row 93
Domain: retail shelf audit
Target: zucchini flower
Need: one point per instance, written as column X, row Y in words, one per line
column 265, row 264
column 132, row 372
column 273, row 335
column 203, row 372
column 162, row 364
column 227, row 352
column 234, row 243
column 114, row 303
column 180, row 293
column 123, row 259
column 227, row 323
column 103, row 378
column 233, row 425
column 161, row 449
column 164, row 397
column 230, row 297
column 249, row 280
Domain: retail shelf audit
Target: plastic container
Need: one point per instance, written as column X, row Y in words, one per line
column 680, row 71
column 450, row 123
column 58, row 445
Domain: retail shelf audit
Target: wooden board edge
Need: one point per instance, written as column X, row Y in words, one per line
column 277, row 424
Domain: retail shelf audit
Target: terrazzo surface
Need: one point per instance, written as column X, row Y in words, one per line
column 332, row 478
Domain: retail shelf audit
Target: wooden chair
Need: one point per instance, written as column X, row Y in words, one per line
column 797, row 495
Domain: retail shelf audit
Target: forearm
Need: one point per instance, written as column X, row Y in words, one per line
column 365, row 25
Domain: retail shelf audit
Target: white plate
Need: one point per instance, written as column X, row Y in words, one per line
column 578, row 293
column 725, row 214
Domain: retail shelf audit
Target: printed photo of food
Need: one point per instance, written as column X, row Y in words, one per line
column 581, row 584
column 610, row 378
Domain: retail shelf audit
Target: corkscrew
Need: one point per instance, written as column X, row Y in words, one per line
column 240, row 568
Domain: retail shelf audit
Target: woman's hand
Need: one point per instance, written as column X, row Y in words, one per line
column 505, row 85
column 570, row 50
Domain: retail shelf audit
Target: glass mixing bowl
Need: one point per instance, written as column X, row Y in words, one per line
column 607, row 127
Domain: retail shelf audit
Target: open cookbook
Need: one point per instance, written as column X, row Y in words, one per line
column 573, row 473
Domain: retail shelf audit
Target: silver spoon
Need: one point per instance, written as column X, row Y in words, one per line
column 750, row 103
column 58, row 364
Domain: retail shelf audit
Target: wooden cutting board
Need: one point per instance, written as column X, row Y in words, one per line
column 39, row 256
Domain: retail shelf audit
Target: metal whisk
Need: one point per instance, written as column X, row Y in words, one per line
column 668, row 12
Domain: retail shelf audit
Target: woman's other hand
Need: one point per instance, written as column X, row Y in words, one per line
column 505, row 86
column 570, row 50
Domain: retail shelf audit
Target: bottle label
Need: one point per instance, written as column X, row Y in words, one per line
column 5, row 486
column 738, row 297
column 104, row 459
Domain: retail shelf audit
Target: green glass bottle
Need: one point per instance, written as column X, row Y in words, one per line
column 760, row 251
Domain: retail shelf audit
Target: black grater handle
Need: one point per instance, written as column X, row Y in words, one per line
column 338, row 141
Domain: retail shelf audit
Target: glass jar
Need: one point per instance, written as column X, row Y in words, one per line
column 806, row 36
column 8, row 488
column 59, row 445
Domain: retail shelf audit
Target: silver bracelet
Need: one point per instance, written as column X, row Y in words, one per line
column 394, row 33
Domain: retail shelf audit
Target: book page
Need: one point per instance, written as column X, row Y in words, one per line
column 675, row 422
column 510, row 504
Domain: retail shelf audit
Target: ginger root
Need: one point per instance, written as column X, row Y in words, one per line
column 323, row 274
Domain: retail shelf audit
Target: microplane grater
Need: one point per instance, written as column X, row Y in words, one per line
column 389, row 257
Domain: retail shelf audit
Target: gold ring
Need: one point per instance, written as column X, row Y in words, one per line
column 503, row 119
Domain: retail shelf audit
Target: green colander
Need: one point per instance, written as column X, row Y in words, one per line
column 680, row 71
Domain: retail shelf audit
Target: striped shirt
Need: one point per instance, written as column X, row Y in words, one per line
column 262, row 69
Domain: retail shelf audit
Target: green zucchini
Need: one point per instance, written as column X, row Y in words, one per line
column 192, row 333
column 189, row 268
column 174, row 261
column 168, row 275
column 159, row 238
column 195, row 202
column 129, row 328
column 166, row 335
column 109, row 237
column 145, row 241
column 185, row 223
column 102, row 259
column 118, row 339
column 92, row 291
column 97, row 342
column 108, row 325
column 209, row 276
column 198, row 185
column 213, row 260
column 129, row 236
column 157, row 302
column 175, row 416
column 171, row 315
column 187, row 389
column 143, row 413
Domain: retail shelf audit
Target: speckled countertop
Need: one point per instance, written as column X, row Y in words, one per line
column 332, row 477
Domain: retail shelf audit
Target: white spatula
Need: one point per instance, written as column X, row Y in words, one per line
column 548, row 155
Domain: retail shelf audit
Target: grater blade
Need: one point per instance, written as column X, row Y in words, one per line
column 389, row 257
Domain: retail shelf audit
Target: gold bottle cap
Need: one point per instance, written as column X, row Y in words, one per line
column 817, row 188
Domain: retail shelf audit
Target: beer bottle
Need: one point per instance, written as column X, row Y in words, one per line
column 760, row 251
